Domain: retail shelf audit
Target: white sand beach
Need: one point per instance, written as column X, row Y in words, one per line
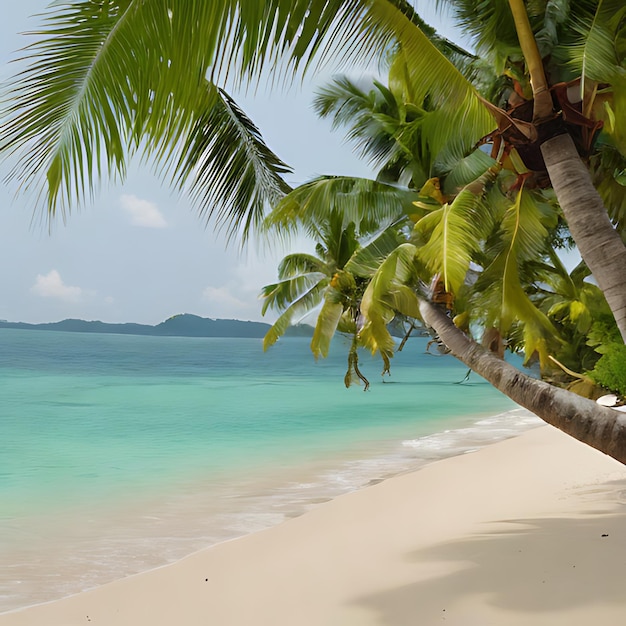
column 531, row 530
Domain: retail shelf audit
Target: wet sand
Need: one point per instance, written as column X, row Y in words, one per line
column 528, row 530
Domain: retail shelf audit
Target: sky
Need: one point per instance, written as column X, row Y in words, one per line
column 139, row 252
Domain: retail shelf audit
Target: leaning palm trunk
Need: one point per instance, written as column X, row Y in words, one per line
column 598, row 242
column 585, row 420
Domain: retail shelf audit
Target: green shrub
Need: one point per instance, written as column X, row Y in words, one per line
column 610, row 370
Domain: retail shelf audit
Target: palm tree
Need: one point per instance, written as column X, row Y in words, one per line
column 453, row 228
column 106, row 80
column 451, row 235
column 351, row 243
column 599, row 243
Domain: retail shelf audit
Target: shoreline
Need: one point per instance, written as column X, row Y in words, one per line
column 510, row 534
column 83, row 548
column 122, row 460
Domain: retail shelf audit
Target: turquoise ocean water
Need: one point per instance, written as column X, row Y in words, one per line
column 120, row 453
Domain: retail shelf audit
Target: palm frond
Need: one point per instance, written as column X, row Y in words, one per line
column 104, row 80
column 371, row 117
column 450, row 49
column 522, row 239
column 601, row 60
column 554, row 15
column 491, row 29
column 597, row 56
column 462, row 172
column 433, row 146
column 568, row 299
column 305, row 302
column 453, row 233
column 362, row 202
column 398, row 136
column 301, row 263
column 367, row 259
column 60, row 118
column 232, row 174
column 327, row 322
column 282, row 294
column 458, row 118
column 387, row 293
column 608, row 171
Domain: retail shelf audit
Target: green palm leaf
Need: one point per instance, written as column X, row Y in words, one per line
column 308, row 280
column 458, row 120
column 231, row 173
column 576, row 307
column 462, row 172
column 367, row 259
column 521, row 239
column 491, row 28
column 453, row 234
column 107, row 80
column 282, row 294
column 327, row 323
column 309, row 295
column 60, row 120
column 555, row 15
column 608, row 171
column 371, row 117
column 362, row 202
column 301, row 263
column 409, row 139
column 386, row 294
column 601, row 59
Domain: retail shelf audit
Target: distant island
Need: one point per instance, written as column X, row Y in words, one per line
column 184, row 325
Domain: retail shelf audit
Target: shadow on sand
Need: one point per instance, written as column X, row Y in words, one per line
column 527, row 566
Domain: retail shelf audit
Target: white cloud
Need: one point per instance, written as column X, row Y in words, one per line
column 52, row 286
column 142, row 212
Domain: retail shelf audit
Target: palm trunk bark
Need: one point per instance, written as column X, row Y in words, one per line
column 585, row 420
column 599, row 244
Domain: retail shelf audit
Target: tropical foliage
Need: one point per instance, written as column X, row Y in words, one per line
column 492, row 244
column 351, row 244
column 487, row 226
column 610, row 370
column 489, row 154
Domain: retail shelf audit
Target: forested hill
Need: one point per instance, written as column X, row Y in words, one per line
column 185, row 325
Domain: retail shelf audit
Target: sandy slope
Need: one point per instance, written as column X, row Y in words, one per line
column 531, row 530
